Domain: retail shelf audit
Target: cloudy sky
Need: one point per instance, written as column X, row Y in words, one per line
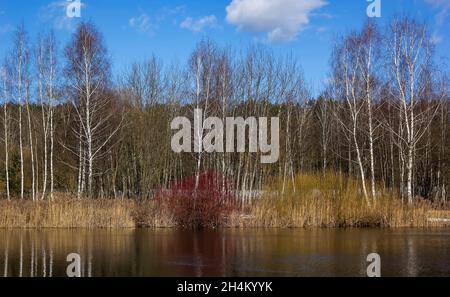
column 134, row 29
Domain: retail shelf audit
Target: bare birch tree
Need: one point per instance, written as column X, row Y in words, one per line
column 4, row 76
column 346, row 73
column 369, row 56
column 19, row 59
column 409, row 51
column 88, row 77
column 47, row 65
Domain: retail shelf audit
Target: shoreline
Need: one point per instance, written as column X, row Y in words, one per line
column 65, row 213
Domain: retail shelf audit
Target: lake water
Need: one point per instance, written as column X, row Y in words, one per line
column 229, row 252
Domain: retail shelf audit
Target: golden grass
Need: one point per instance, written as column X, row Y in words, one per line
column 311, row 200
column 69, row 212
column 330, row 200
column 66, row 213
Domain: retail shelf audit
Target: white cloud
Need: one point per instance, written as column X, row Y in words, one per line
column 436, row 39
column 282, row 20
column 56, row 12
column 444, row 9
column 149, row 24
column 199, row 24
column 170, row 12
column 6, row 28
column 141, row 23
column 439, row 3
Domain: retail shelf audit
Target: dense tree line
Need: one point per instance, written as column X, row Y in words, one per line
column 68, row 127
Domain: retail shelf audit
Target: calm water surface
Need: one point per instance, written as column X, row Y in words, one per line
column 253, row 252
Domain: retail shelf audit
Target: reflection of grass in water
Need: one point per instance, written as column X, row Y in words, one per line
column 330, row 200
column 43, row 253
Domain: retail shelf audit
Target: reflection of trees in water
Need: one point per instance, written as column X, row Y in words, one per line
column 185, row 252
column 229, row 252
column 32, row 253
column 26, row 254
column 257, row 252
column 412, row 258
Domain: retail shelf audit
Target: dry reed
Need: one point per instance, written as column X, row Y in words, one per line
column 65, row 212
column 330, row 200
column 311, row 200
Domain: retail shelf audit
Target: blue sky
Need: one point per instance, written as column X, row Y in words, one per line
column 135, row 29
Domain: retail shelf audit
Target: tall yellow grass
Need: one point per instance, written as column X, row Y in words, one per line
column 311, row 200
column 66, row 212
column 330, row 200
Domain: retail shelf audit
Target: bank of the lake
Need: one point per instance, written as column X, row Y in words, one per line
column 102, row 213
column 309, row 200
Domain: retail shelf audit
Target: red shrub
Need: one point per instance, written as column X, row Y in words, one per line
column 204, row 206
